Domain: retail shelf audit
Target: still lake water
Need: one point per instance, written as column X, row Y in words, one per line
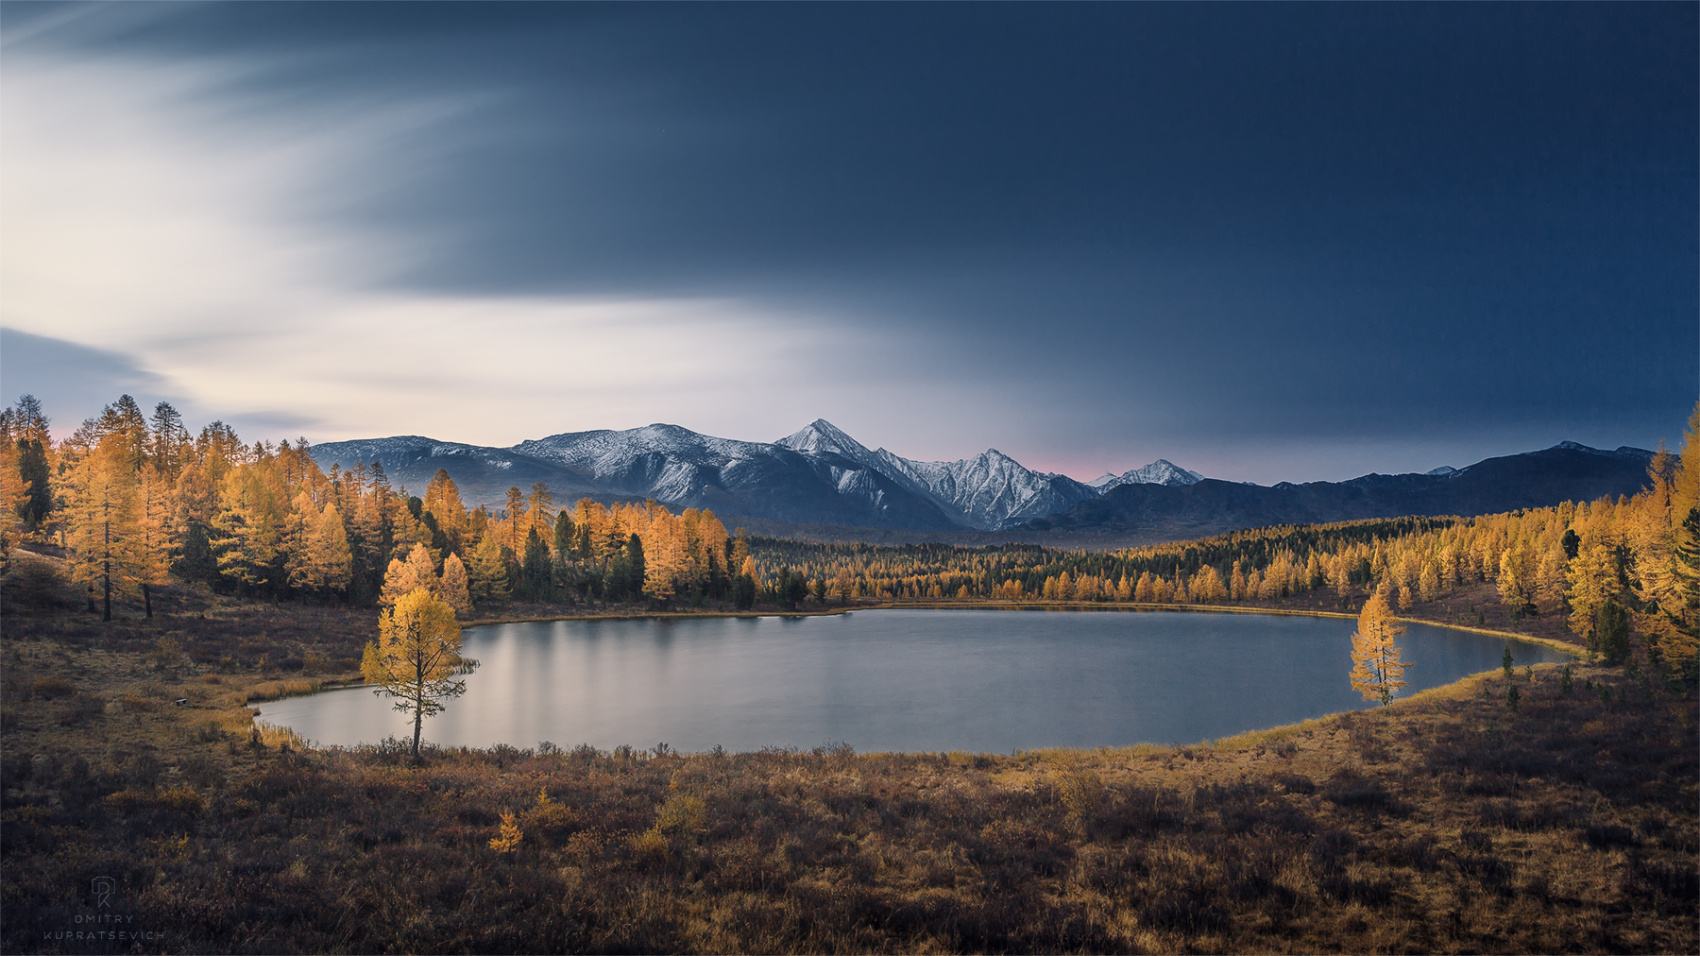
column 897, row 680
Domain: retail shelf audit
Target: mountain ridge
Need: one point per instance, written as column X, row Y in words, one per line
column 1567, row 471
column 820, row 475
column 816, row 475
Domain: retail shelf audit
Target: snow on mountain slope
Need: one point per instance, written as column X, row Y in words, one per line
column 990, row 491
column 1160, row 472
column 482, row 474
column 817, row 475
column 823, row 437
column 681, row 467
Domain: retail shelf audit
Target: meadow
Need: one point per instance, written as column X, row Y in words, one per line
column 1567, row 820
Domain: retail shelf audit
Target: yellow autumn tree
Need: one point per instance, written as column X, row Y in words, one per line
column 103, row 521
column 1377, row 668
column 14, row 489
column 442, row 500
column 488, row 576
column 248, row 529
column 417, row 657
column 326, row 562
column 1593, row 582
column 456, row 591
column 540, row 512
column 158, row 535
column 418, row 571
column 516, row 524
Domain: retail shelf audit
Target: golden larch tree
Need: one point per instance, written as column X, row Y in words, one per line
column 417, row 657
column 1593, row 581
column 516, row 524
column 456, row 589
column 541, row 510
column 1377, row 668
column 158, row 535
column 402, row 577
column 104, row 521
column 329, row 560
column 442, row 499
column 488, row 576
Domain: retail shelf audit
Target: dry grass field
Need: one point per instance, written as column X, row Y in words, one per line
column 1449, row 822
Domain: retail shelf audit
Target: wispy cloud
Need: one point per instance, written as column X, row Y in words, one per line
column 149, row 214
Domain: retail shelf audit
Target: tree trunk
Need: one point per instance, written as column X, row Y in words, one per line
column 106, row 574
column 418, row 721
column 147, row 600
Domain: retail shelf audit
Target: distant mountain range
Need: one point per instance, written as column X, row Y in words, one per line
column 1565, row 472
column 821, row 476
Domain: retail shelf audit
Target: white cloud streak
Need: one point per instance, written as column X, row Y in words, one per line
column 147, row 209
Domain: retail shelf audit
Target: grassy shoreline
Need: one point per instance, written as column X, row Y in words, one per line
column 1451, row 821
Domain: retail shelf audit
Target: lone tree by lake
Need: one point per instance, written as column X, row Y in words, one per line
column 417, row 657
column 1377, row 670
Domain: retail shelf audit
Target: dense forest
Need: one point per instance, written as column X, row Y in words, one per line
column 137, row 501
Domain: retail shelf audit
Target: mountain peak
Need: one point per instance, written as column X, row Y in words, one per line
column 1160, row 472
column 1625, row 452
column 820, row 436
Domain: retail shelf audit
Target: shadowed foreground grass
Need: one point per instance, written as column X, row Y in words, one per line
column 1447, row 823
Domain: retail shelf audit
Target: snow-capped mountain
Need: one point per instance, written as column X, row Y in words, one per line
column 483, row 474
column 990, row 491
column 818, row 475
column 680, row 467
column 1160, row 472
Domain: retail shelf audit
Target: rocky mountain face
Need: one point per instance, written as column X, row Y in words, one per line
column 990, row 491
column 820, row 475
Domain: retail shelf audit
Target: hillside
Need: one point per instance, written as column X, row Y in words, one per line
column 1564, row 472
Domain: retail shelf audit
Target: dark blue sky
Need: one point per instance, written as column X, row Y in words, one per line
column 1281, row 241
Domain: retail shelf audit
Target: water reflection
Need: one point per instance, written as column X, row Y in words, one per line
column 897, row 680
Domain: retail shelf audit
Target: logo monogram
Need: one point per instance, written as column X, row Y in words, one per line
column 103, row 887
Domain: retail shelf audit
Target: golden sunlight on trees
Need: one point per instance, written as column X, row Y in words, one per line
column 418, row 571
column 456, row 591
column 137, row 503
column 417, row 657
column 442, row 500
column 104, row 521
column 1377, row 669
column 515, row 523
column 488, row 577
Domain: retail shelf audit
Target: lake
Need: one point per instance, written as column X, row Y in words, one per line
column 897, row 680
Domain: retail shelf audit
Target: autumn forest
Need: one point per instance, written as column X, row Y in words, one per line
column 160, row 584
column 138, row 502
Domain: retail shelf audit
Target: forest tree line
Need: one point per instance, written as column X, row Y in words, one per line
column 1612, row 568
column 137, row 500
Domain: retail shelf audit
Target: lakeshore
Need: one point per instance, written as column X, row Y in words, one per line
column 1449, row 821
